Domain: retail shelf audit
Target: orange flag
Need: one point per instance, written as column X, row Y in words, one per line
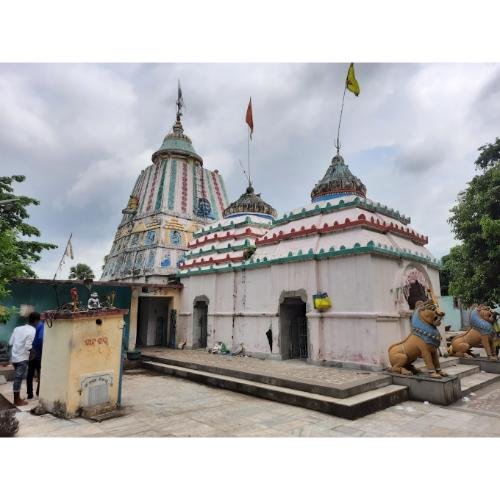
column 249, row 117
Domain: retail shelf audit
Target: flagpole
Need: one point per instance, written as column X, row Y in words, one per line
column 248, row 155
column 62, row 258
column 337, row 144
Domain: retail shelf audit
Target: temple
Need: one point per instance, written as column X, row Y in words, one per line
column 333, row 282
column 170, row 200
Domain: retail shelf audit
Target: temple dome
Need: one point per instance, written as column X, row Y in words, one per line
column 338, row 181
column 177, row 142
column 250, row 203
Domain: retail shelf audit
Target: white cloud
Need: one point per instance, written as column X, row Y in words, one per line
column 23, row 116
column 82, row 133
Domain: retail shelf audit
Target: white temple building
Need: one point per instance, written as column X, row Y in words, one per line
column 251, row 278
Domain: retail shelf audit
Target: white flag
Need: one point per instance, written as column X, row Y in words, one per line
column 69, row 250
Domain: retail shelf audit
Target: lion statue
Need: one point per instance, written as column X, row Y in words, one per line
column 480, row 334
column 423, row 342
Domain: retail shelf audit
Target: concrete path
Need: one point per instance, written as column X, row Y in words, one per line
column 165, row 406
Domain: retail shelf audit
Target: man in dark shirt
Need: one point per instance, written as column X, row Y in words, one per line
column 35, row 361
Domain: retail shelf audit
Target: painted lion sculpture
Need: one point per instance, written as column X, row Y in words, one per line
column 480, row 334
column 423, row 342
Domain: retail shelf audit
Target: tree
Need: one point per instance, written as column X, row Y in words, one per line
column 16, row 254
column 474, row 265
column 445, row 275
column 81, row 272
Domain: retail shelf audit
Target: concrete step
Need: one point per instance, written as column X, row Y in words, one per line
column 477, row 381
column 461, row 371
column 351, row 407
column 444, row 362
column 485, row 364
column 369, row 381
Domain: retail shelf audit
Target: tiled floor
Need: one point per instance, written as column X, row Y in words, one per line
column 157, row 405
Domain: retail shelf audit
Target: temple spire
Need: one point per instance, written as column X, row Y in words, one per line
column 180, row 101
column 177, row 128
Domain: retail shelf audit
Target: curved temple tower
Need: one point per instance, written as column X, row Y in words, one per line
column 170, row 200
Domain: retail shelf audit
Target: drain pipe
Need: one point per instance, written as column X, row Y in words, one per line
column 122, row 354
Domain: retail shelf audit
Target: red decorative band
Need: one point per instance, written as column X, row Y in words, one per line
column 362, row 221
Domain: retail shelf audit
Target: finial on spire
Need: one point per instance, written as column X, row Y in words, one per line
column 180, row 101
column 247, row 175
column 337, row 146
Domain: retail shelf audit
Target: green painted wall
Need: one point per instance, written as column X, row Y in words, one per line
column 452, row 314
column 43, row 297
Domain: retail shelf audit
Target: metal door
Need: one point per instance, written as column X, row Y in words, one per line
column 203, row 326
column 160, row 331
column 302, row 334
column 297, row 335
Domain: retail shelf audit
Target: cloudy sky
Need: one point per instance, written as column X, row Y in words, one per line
column 81, row 133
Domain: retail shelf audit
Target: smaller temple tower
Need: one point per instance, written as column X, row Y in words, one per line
column 232, row 239
column 171, row 199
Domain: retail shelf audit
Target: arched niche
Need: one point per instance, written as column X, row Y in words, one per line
column 411, row 284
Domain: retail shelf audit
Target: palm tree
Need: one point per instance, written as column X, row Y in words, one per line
column 81, row 272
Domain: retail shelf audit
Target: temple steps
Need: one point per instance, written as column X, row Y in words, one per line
column 471, row 377
column 350, row 407
column 477, row 381
column 345, row 393
column 365, row 382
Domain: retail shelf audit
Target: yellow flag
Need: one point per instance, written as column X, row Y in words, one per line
column 350, row 82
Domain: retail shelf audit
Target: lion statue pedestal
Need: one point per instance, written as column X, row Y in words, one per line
column 480, row 334
column 423, row 342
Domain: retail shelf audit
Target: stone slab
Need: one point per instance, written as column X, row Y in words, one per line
column 442, row 391
column 485, row 364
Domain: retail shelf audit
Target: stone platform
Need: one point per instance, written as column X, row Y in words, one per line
column 346, row 393
column 443, row 391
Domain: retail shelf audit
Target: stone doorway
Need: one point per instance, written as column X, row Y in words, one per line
column 200, row 322
column 153, row 322
column 416, row 292
column 293, row 329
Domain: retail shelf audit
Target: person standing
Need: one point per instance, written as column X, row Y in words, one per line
column 21, row 341
column 35, row 361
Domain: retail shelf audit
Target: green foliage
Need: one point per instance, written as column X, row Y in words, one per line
column 490, row 155
column 81, row 272
column 473, row 267
column 16, row 254
column 445, row 275
column 6, row 313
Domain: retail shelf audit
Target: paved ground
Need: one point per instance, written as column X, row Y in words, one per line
column 157, row 405
column 289, row 369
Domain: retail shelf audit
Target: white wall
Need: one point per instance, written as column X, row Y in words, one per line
column 363, row 321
